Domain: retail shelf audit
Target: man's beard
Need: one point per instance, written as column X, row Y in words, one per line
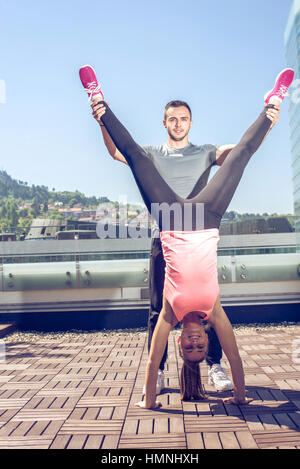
column 179, row 138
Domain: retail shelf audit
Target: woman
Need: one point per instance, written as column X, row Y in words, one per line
column 191, row 285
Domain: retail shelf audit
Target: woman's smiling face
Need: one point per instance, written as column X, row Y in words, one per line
column 193, row 340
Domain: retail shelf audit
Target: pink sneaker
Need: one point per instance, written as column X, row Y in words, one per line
column 90, row 83
column 282, row 83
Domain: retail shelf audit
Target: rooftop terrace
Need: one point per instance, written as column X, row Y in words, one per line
column 77, row 391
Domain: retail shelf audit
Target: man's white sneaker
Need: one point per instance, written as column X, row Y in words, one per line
column 218, row 378
column 160, row 383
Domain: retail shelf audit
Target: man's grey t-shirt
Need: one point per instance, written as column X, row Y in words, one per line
column 183, row 168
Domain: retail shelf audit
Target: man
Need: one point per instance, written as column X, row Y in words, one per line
column 185, row 167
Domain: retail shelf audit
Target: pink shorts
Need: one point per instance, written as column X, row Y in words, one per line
column 191, row 276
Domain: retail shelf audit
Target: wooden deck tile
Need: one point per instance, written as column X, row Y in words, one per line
column 91, row 427
column 41, row 414
column 212, row 441
column 102, row 401
column 213, row 424
column 12, row 403
column 148, row 441
column 194, row 441
column 268, row 407
column 229, row 440
column 246, row 440
column 279, row 438
column 80, row 394
column 37, row 442
column 60, row 442
column 93, row 442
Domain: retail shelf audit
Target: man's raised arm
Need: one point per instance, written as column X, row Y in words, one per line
column 98, row 111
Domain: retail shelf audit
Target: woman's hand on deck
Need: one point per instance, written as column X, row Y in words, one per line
column 142, row 404
column 236, row 401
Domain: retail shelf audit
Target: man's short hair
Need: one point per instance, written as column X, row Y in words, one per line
column 177, row 103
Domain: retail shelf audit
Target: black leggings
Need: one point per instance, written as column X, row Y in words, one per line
column 216, row 196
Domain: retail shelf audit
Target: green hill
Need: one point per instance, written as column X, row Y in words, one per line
column 20, row 203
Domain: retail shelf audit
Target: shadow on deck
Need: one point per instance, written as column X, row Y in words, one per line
column 78, row 392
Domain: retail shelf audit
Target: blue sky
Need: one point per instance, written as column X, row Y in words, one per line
column 219, row 56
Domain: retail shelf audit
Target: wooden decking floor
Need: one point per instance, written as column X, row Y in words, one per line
column 79, row 393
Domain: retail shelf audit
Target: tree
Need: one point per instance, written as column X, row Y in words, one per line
column 56, row 215
column 23, row 213
column 35, row 207
column 9, row 214
column 230, row 215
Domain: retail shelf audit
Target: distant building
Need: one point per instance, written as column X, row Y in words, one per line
column 292, row 51
column 7, row 236
column 51, row 228
column 45, row 228
column 86, row 219
column 256, row 226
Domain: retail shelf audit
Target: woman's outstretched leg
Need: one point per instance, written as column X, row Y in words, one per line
column 218, row 193
column 152, row 186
